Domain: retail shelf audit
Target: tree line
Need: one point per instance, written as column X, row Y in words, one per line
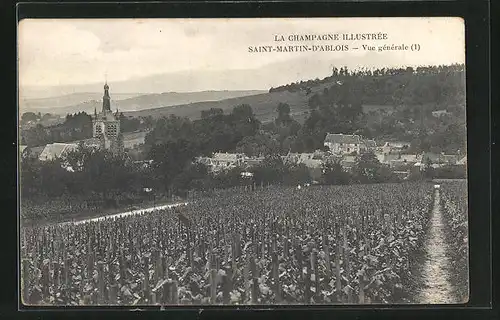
column 75, row 127
column 442, row 85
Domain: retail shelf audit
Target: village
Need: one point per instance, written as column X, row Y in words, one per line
column 341, row 148
column 344, row 149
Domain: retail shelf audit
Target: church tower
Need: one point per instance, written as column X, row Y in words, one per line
column 106, row 125
column 106, row 100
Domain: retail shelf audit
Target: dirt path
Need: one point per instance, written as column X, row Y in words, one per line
column 124, row 214
column 99, row 214
column 436, row 286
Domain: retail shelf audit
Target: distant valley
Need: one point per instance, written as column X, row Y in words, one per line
column 126, row 102
column 263, row 105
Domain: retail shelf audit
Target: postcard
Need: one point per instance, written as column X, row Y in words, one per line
column 242, row 161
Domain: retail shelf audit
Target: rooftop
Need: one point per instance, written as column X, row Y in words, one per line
column 342, row 138
column 56, row 150
column 397, row 144
column 227, row 156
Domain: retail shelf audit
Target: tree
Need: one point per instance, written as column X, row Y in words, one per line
column 52, row 177
column 212, row 112
column 283, row 110
column 29, row 175
column 367, row 168
column 29, row 116
column 227, row 179
column 129, row 124
column 428, row 169
column 243, row 112
column 258, row 145
column 101, row 172
column 297, row 174
column 36, row 136
column 334, row 174
column 193, row 177
column 271, row 170
column 170, row 129
column 169, row 160
column 314, row 101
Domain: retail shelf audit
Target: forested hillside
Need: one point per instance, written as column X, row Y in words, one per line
column 442, row 86
column 402, row 103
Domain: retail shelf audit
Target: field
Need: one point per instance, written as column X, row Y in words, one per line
column 272, row 245
column 454, row 203
column 263, row 105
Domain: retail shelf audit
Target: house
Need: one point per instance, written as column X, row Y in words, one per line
column 228, row 159
column 410, row 158
column 89, row 143
column 132, row 140
column 386, row 158
column 395, row 147
column 293, row 157
column 310, row 160
column 251, row 162
column 393, row 159
column 223, row 161
column 430, row 157
column 56, row 150
column 143, row 163
column 439, row 158
column 339, row 143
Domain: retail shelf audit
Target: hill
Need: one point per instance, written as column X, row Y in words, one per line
column 52, row 104
column 263, row 105
column 86, row 102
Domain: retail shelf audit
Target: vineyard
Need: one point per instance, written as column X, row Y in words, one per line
column 454, row 204
column 273, row 245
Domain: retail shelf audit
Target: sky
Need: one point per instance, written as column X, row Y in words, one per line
column 72, row 52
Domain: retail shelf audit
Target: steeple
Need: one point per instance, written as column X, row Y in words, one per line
column 106, row 100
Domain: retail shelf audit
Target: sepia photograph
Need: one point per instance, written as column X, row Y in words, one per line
column 242, row 161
